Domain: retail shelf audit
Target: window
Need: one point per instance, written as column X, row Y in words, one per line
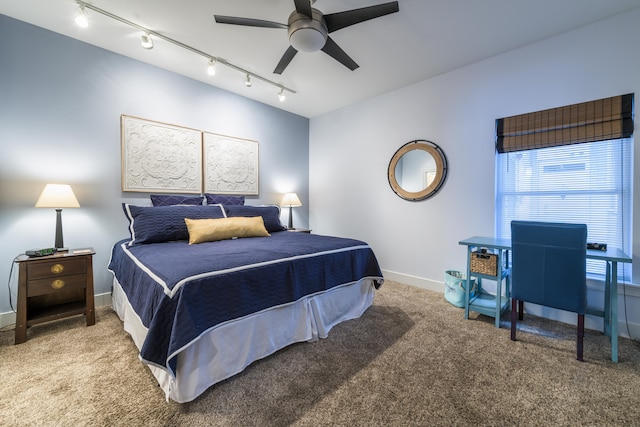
column 581, row 183
column 570, row 164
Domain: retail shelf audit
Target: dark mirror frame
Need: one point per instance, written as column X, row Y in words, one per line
column 441, row 170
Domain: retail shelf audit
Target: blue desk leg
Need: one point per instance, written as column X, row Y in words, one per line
column 499, row 290
column 467, row 288
column 607, row 300
column 614, row 312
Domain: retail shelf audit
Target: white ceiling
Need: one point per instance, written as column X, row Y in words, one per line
column 424, row 39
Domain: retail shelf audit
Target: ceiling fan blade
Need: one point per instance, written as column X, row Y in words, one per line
column 249, row 22
column 284, row 61
column 339, row 20
column 303, row 7
column 334, row 51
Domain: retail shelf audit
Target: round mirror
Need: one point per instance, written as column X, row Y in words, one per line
column 417, row 170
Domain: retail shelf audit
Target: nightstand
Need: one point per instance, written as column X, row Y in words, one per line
column 299, row 230
column 53, row 287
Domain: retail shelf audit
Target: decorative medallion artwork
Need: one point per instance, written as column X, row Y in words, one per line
column 231, row 165
column 160, row 157
column 164, row 158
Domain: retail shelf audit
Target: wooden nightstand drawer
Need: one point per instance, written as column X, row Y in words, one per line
column 53, row 268
column 57, row 284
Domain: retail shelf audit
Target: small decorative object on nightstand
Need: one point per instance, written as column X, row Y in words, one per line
column 291, row 200
column 52, row 287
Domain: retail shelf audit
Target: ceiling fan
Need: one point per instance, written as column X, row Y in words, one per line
column 309, row 29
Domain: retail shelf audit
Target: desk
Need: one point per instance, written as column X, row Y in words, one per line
column 612, row 256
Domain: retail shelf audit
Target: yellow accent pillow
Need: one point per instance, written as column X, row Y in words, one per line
column 211, row 230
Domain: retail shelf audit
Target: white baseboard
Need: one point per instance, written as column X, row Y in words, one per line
column 103, row 299
column 9, row 318
column 419, row 282
column 628, row 296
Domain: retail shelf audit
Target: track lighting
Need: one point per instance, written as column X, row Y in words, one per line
column 147, row 42
column 281, row 95
column 81, row 17
column 211, row 70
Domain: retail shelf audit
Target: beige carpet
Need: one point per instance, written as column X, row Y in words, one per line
column 410, row 360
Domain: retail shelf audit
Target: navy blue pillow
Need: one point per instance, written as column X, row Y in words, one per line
column 149, row 224
column 270, row 215
column 224, row 199
column 170, row 200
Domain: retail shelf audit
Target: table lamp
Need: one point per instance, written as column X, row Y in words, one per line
column 58, row 196
column 291, row 200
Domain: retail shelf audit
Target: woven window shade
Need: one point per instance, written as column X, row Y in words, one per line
column 600, row 120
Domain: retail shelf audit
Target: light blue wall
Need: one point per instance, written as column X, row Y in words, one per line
column 60, row 107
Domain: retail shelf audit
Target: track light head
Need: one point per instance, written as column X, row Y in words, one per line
column 281, row 95
column 147, row 42
column 211, row 69
column 81, row 17
column 247, row 81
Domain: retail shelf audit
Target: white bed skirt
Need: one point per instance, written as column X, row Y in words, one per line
column 229, row 348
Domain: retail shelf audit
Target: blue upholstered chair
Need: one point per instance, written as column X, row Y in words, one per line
column 549, row 269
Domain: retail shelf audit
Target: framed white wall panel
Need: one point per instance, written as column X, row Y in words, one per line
column 159, row 157
column 230, row 165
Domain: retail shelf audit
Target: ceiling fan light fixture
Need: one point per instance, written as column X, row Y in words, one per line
column 81, row 17
column 307, row 34
column 211, row 69
column 307, row 40
column 146, row 42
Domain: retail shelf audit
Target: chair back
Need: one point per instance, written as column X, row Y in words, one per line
column 549, row 264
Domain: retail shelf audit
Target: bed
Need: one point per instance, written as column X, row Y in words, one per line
column 201, row 309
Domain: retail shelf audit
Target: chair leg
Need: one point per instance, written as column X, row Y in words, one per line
column 513, row 318
column 580, row 336
column 520, row 310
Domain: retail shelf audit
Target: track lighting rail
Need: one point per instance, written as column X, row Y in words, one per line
column 213, row 58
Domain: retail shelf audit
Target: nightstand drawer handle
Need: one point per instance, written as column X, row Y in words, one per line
column 57, row 268
column 57, row 284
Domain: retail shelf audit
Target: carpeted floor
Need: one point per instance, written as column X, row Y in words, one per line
column 410, row 360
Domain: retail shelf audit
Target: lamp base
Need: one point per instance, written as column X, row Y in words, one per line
column 59, row 241
column 290, row 226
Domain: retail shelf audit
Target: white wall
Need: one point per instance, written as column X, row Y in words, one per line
column 417, row 241
column 60, row 107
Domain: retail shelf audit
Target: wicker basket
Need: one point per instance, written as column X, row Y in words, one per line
column 485, row 263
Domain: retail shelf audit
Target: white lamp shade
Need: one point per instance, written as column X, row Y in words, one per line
column 57, row 196
column 291, row 199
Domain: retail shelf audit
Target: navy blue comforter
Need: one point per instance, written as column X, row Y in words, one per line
column 181, row 290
